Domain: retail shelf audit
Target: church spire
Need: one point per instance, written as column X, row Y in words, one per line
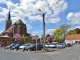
column 9, row 15
column 8, row 21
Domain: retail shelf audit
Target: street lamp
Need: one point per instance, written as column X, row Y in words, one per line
column 43, row 15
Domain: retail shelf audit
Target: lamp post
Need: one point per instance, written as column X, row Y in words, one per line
column 43, row 15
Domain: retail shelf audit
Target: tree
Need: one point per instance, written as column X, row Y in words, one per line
column 26, row 39
column 57, row 34
column 17, row 38
column 70, row 32
column 78, row 30
column 64, row 28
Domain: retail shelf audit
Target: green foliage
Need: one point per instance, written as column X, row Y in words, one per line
column 57, row 34
column 42, row 38
column 26, row 39
column 70, row 32
column 55, row 39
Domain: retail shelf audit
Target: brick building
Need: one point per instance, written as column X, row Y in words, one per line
column 11, row 29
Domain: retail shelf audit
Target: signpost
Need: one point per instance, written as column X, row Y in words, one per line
column 35, row 37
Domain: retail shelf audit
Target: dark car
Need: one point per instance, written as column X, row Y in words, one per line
column 68, row 45
column 16, row 46
column 9, row 46
column 33, row 47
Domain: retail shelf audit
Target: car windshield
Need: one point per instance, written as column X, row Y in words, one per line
column 24, row 44
column 30, row 45
column 60, row 44
column 16, row 44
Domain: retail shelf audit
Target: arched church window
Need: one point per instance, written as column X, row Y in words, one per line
column 21, row 30
column 16, row 29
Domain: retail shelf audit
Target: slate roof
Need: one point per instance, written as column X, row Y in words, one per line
column 19, row 22
column 73, row 37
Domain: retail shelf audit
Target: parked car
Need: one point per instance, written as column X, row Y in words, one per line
column 15, row 47
column 60, row 45
column 33, row 47
column 68, row 45
column 24, row 46
column 53, row 45
column 9, row 46
column 47, row 45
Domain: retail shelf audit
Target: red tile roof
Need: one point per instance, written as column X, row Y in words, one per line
column 73, row 37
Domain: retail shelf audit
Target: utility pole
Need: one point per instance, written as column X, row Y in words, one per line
column 44, row 28
column 43, row 15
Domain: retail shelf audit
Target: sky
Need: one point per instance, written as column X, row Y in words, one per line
column 57, row 12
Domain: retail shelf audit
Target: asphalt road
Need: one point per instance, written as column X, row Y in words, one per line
column 17, row 55
column 70, row 53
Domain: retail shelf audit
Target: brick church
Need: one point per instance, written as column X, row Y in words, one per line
column 11, row 29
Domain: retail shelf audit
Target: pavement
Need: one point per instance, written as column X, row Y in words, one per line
column 69, row 53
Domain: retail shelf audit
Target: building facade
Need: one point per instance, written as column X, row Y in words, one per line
column 11, row 29
column 73, row 39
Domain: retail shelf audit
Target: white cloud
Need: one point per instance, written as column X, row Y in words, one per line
column 50, row 31
column 36, row 32
column 33, row 8
column 30, row 9
column 3, row 1
column 5, row 11
column 77, row 27
column 53, row 20
column 29, row 26
column 34, row 18
column 11, row 5
column 2, row 16
column 60, row 7
column 74, row 18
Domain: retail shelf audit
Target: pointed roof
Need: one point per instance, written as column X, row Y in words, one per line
column 19, row 22
column 9, row 15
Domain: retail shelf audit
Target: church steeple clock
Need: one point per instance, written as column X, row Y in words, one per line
column 8, row 21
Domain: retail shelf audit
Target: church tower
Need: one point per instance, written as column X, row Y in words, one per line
column 8, row 21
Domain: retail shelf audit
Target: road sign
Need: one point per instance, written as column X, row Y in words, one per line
column 36, row 37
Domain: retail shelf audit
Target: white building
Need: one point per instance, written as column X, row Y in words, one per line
column 73, row 39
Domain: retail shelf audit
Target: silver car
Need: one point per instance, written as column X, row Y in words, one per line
column 53, row 45
column 47, row 45
column 60, row 45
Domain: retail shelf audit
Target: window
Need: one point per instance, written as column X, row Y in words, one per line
column 21, row 31
column 16, row 29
